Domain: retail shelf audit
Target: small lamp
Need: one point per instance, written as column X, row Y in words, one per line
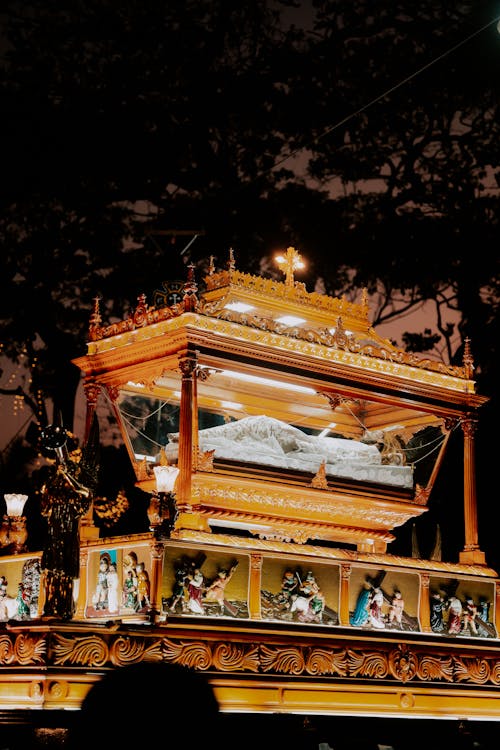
column 13, row 531
column 163, row 498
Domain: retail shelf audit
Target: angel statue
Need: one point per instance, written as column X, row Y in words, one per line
column 66, row 497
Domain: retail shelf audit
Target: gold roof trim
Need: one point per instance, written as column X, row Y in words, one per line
column 336, row 349
column 232, row 280
column 370, row 345
column 363, row 340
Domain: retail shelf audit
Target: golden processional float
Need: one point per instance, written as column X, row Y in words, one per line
column 282, row 441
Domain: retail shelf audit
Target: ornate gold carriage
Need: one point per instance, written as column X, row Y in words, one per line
column 300, row 440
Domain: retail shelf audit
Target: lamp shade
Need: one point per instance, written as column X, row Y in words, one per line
column 15, row 504
column 165, row 477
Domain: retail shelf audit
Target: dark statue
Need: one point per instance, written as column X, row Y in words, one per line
column 66, row 497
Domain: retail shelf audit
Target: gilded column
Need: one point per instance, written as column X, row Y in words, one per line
column 187, row 518
column 345, row 576
column 82, row 584
column 187, row 365
column 157, row 549
column 471, row 553
column 255, row 586
column 424, row 607
column 497, row 606
column 88, row 530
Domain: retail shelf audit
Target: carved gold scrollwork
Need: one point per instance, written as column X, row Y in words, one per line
column 346, row 570
column 128, row 650
column 256, row 561
column 435, row 668
column 29, row 649
column 474, row 670
column 230, row 657
column 469, row 426
column 325, row 661
column 195, row 654
column 91, row 651
column 288, row 660
column 205, row 460
column 92, row 391
column 367, row 664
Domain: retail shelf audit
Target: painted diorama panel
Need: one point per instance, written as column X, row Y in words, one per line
column 462, row 607
column 119, row 582
column 297, row 593
column 383, row 599
column 20, row 588
column 204, row 583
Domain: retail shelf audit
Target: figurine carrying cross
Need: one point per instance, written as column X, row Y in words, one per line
column 291, row 262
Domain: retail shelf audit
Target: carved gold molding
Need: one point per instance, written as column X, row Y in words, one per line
column 402, row 662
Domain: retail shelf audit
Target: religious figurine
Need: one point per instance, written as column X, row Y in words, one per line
column 66, row 497
column 130, row 590
column 375, row 608
column 179, row 588
column 143, row 587
column 361, row 614
column 216, row 591
column 469, row 615
column 289, row 589
column 113, row 583
column 454, row 607
column 196, row 582
column 484, row 626
column 23, row 602
column 437, row 607
column 100, row 598
column 310, row 601
column 395, row 614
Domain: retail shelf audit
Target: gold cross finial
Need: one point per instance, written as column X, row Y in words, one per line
column 291, row 262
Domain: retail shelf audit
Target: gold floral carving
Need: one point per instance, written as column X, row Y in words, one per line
column 477, row 670
column 90, row 651
column 230, row 657
column 127, row 650
column 435, row 668
column 58, row 689
column 403, row 663
column 367, row 664
column 319, row 480
column 288, row 659
column 205, row 460
column 338, row 340
column 193, row 654
column 275, row 500
column 141, row 470
column 421, row 495
column 23, row 649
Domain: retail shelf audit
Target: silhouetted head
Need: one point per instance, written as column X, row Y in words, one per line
column 143, row 703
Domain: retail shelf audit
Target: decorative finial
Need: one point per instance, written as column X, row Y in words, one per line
column 291, row 262
column 231, row 265
column 468, row 360
column 190, row 289
column 211, row 267
column 95, row 317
